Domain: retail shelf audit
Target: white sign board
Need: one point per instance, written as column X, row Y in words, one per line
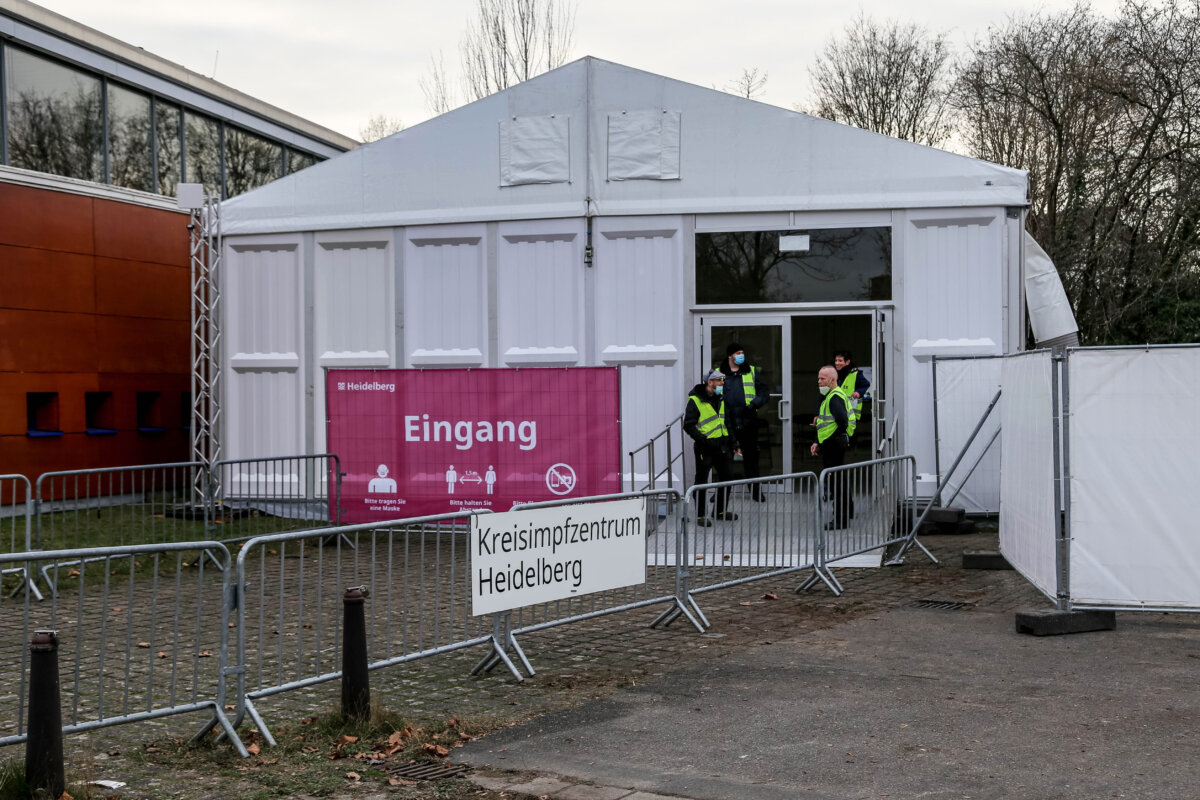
column 520, row 558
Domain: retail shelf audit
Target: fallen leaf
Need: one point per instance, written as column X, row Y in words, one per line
column 745, row 603
column 436, row 750
column 354, row 776
column 230, row 707
column 204, row 654
column 452, row 722
column 725, row 558
column 270, row 761
column 398, row 737
column 308, row 627
column 73, row 574
column 699, row 558
column 308, row 720
column 117, row 608
column 392, row 749
column 345, row 740
column 273, row 552
column 143, row 644
column 466, row 737
column 309, row 749
column 394, row 781
column 770, row 596
column 252, row 749
column 161, row 654
column 65, row 796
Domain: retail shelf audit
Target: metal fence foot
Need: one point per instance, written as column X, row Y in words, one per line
column 497, row 656
column 825, row 576
column 255, row 718
column 678, row 609
column 215, row 561
column 26, row 580
column 899, row 557
column 229, row 733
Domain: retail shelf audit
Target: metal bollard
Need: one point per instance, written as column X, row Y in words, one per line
column 44, row 746
column 356, row 687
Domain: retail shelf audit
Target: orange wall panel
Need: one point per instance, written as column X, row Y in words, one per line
column 138, row 289
column 38, row 341
column 46, row 219
column 142, row 345
column 43, row 280
column 141, row 234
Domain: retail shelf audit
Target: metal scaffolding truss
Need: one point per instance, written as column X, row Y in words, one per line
column 205, row 230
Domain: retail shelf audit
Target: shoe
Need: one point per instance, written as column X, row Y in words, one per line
column 703, row 522
column 833, row 526
column 729, row 515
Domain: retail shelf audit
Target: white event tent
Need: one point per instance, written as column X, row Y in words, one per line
column 602, row 215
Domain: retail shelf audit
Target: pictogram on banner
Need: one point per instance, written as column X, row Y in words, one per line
column 417, row 442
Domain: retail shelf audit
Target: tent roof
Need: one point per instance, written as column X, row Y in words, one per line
column 600, row 138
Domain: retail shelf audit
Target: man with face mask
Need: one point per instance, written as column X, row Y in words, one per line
column 713, row 445
column 745, row 394
column 832, row 423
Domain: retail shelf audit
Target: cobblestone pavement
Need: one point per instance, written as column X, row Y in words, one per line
column 591, row 658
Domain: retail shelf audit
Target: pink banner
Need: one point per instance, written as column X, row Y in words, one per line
column 419, row 442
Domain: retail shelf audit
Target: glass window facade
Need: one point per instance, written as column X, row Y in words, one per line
column 250, row 161
column 67, row 121
column 130, row 136
column 54, row 116
column 168, row 137
column 202, row 154
column 813, row 266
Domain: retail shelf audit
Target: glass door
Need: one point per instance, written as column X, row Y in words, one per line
column 767, row 342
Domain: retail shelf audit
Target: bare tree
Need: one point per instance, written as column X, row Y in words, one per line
column 888, row 77
column 439, row 96
column 511, row 41
column 380, row 126
column 751, row 84
column 1103, row 114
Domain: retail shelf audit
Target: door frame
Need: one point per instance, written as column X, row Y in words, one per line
column 879, row 317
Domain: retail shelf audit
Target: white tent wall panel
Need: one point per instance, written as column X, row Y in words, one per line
column 1027, row 492
column 964, row 389
column 353, row 309
column 539, row 293
column 951, row 292
column 445, row 296
column 639, row 311
column 1133, row 478
column 263, row 338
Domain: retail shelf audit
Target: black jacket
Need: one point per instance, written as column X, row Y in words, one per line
column 738, row 415
column 861, row 384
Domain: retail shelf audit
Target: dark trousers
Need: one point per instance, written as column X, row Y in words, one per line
column 833, row 454
column 712, row 457
column 747, row 437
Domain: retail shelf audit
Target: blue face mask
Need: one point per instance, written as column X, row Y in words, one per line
column 718, row 391
column 739, row 359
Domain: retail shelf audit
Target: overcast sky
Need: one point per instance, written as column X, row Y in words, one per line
column 340, row 63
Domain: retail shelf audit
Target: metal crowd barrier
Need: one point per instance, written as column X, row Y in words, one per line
column 877, row 502
column 140, row 636
column 664, row 556
column 260, row 496
column 289, row 601
column 117, row 506
column 16, row 526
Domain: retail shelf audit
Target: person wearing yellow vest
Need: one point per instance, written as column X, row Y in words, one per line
column 853, row 383
column 713, row 445
column 745, row 393
column 832, row 423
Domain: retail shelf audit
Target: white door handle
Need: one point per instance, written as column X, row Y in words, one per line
column 782, row 404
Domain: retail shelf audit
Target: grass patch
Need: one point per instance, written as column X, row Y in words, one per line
column 14, row 786
column 324, row 755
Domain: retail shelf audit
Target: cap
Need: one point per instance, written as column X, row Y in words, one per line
column 714, row 375
column 733, row 348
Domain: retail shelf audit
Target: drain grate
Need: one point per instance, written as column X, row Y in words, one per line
column 426, row 770
column 943, row 605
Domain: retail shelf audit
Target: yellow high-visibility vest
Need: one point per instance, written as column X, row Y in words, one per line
column 854, row 407
column 825, row 422
column 713, row 426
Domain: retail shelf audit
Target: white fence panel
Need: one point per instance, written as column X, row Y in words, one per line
column 1027, row 507
column 1133, row 443
column 965, row 386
